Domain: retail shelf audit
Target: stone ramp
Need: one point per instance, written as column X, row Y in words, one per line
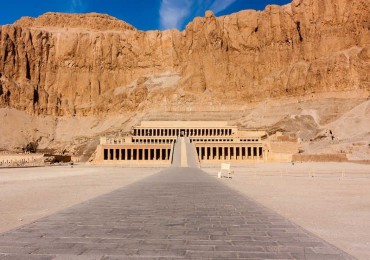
column 192, row 156
column 176, row 157
column 179, row 213
column 185, row 154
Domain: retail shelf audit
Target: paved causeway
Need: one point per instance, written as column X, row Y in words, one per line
column 177, row 213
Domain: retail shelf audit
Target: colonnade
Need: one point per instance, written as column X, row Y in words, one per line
column 137, row 154
column 217, row 140
column 153, row 141
column 17, row 160
column 185, row 132
column 220, row 153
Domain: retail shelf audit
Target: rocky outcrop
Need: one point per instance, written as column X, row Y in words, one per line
column 91, row 21
column 91, row 64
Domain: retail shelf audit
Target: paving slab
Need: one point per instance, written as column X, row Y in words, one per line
column 178, row 213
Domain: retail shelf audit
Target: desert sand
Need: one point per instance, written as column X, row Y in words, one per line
column 333, row 206
column 31, row 193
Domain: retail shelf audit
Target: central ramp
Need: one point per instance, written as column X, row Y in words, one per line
column 185, row 154
column 192, row 155
column 179, row 213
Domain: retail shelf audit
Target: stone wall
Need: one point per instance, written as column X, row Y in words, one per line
column 320, row 158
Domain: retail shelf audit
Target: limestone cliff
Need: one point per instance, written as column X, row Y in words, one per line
column 60, row 64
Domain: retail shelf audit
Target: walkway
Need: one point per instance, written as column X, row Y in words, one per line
column 185, row 154
column 177, row 213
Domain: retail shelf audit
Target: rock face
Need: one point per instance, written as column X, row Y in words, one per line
column 92, row 64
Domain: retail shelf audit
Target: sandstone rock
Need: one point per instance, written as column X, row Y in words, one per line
column 93, row 21
column 64, row 64
column 209, row 14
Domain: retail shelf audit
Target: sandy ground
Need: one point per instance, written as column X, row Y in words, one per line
column 31, row 193
column 333, row 206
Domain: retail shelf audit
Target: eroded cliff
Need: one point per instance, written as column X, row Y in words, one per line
column 60, row 64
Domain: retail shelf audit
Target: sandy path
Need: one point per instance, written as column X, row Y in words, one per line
column 32, row 193
column 335, row 209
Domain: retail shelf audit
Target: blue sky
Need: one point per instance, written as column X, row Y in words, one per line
column 143, row 14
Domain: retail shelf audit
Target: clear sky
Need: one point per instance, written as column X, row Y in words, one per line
column 143, row 14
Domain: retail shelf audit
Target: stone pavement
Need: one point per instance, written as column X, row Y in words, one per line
column 177, row 213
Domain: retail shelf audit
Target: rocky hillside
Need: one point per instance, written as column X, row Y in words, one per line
column 59, row 64
column 302, row 68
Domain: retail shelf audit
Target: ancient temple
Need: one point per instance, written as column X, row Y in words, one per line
column 153, row 142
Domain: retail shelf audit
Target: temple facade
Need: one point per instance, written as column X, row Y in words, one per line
column 152, row 143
